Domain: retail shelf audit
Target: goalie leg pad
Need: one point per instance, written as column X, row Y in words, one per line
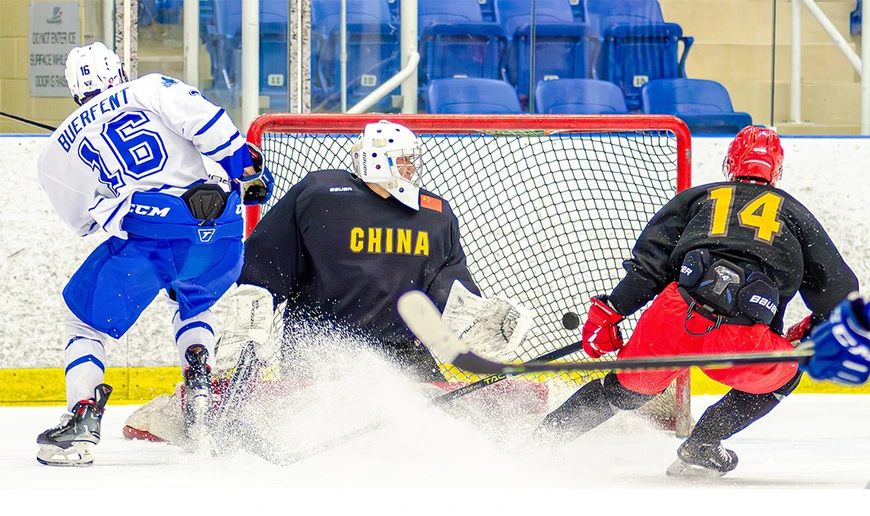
column 246, row 314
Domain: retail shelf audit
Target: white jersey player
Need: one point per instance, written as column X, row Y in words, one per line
column 128, row 162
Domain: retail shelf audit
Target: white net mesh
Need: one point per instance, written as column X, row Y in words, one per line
column 549, row 207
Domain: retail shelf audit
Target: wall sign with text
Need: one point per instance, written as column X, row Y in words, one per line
column 55, row 29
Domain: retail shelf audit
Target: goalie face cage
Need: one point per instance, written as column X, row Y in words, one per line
column 548, row 206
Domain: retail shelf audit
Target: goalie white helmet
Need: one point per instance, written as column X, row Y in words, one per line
column 391, row 156
column 92, row 69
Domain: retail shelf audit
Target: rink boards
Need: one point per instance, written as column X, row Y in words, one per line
column 38, row 254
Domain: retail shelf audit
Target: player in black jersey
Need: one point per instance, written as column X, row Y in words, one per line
column 344, row 246
column 721, row 262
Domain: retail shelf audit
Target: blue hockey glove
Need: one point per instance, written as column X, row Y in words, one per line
column 842, row 344
column 256, row 189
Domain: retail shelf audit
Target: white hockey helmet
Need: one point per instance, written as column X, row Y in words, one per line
column 391, row 156
column 92, row 69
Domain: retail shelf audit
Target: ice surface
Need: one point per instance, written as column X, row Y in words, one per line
column 809, row 442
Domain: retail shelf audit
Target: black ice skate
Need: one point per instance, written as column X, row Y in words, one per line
column 70, row 443
column 702, row 460
column 197, row 393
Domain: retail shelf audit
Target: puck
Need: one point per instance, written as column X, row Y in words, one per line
column 571, row 321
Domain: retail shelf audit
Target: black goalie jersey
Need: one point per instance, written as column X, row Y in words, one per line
column 335, row 249
column 755, row 226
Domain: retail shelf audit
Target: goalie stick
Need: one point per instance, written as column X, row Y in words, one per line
column 423, row 318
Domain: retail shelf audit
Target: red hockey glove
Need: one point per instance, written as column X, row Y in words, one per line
column 600, row 332
column 798, row 331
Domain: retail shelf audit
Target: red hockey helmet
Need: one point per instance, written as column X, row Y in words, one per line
column 754, row 153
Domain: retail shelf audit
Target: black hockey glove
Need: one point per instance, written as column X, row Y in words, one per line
column 256, row 189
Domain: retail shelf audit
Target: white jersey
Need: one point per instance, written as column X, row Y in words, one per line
column 145, row 135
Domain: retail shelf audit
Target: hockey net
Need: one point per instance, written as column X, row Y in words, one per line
column 549, row 206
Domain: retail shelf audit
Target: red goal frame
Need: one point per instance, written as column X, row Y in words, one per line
column 337, row 123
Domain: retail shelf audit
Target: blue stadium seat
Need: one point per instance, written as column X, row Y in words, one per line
column 635, row 45
column 605, row 13
column 472, row 96
column 561, row 50
column 855, row 20
column 455, row 41
column 222, row 35
column 704, row 105
column 631, row 55
column 372, row 49
column 578, row 97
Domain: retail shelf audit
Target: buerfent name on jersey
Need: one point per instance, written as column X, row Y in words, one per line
column 110, row 103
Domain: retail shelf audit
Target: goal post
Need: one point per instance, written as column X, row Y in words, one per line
column 549, row 206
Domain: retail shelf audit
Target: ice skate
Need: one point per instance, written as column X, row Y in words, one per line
column 197, row 400
column 71, row 442
column 702, row 460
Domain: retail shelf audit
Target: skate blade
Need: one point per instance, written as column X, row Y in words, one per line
column 78, row 455
column 680, row 469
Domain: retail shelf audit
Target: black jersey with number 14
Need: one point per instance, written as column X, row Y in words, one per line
column 755, row 226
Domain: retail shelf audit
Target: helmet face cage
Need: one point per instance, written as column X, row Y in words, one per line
column 755, row 153
column 406, row 164
column 388, row 154
column 91, row 70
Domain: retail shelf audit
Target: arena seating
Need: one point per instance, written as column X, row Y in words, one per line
column 603, row 14
column 704, row 105
column 560, row 41
column 578, row 97
column 223, row 39
column 478, row 96
column 636, row 45
column 372, row 44
column 455, row 41
column 624, row 42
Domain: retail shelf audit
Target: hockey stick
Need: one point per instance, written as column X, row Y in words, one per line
column 422, row 317
column 231, row 403
column 237, row 389
column 442, row 399
column 30, row 122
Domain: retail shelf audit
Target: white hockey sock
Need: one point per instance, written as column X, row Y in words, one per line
column 84, row 360
column 199, row 329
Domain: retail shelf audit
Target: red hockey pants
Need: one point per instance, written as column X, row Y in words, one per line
column 661, row 331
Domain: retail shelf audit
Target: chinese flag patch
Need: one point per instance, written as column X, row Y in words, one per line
column 430, row 202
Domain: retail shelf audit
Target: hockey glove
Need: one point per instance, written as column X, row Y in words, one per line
column 842, row 344
column 257, row 188
column 797, row 332
column 600, row 332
